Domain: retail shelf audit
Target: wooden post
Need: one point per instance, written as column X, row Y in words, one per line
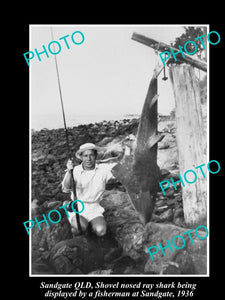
column 191, row 142
column 205, row 41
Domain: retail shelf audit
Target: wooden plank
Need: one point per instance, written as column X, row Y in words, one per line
column 160, row 46
column 191, row 142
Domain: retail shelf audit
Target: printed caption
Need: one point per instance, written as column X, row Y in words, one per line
column 118, row 289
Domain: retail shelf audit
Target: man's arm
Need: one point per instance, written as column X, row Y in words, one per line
column 108, row 167
column 109, row 160
column 115, row 159
column 67, row 180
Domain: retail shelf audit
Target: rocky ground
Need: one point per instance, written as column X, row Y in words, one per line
column 55, row 251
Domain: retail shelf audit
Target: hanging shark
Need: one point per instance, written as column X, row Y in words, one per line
column 139, row 173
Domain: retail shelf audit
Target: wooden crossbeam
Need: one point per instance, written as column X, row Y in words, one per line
column 160, row 46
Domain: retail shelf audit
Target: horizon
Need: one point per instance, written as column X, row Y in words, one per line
column 72, row 120
column 108, row 74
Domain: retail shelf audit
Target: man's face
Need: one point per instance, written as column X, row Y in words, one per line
column 88, row 159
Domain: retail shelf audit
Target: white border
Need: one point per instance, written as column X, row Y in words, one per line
column 30, row 179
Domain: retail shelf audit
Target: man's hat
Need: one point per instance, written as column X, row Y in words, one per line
column 84, row 147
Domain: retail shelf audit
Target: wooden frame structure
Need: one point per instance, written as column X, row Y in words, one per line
column 160, row 46
column 190, row 139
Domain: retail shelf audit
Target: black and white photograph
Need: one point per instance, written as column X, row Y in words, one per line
column 119, row 150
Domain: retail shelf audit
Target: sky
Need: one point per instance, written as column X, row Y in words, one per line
column 107, row 75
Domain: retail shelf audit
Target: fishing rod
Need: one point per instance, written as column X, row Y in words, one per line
column 67, row 140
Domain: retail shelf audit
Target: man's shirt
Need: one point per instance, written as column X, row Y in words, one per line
column 90, row 184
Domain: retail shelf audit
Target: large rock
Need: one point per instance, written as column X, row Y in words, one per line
column 191, row 259
column 124, row 222
column 135, row 239
column 44, row 239
column 75, row 256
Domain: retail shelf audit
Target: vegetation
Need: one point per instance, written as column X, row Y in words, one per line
column 190, row 34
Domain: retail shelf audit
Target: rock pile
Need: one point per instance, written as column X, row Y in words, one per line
column 54, row 250
column 50, row 154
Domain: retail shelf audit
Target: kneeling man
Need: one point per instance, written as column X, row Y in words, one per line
column 90, row 179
